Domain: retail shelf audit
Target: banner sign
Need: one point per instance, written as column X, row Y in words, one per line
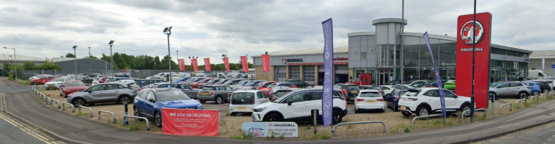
column 269, row 129
column 195, row 64
column 465, row 33
column 181, row 64
column 207, row 64
column 327, row 97
column 188, row 122
column 226, row 63
column 245, row 64
column 438, row 78
column 265, row 63
column 276, row 74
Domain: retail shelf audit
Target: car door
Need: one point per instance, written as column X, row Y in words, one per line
column 503, row 89
column 432, row 98
column 141, row 101
column 110, row 92
column 316, row 101
column 261, row 97
column 97, row 92
column 299, row 107
column 451, row 102
column 149, row 106
column 514, row 89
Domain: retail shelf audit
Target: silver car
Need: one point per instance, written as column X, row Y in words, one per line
column 104, row 92
column 509, row 89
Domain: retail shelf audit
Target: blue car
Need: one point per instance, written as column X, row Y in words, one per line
column 392, row 100
column 149, row 102
column 535, row 87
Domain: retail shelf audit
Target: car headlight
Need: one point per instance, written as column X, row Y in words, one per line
column 259, row 109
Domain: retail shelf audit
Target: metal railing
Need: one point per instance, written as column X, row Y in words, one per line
column 464, row 113
column 501, row 108
column 482, row 110
column 351, row 123
column 57, row 102
column 103, row 111
column 537, row 99
column 420, row 117
column 136, row 117
column 90, row 109
column 64, row 107
column 517, row 102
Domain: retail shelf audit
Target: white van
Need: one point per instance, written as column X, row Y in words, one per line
column 537, row 74
column 244, row 101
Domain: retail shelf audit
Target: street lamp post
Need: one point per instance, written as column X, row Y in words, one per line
column 177, row 58
column 168, row 32
column 111, row 58
column 89, row 52
column 15, row 59
column 75, row 59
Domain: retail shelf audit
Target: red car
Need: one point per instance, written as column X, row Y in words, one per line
column 269, row 88
column 195, row 84
column 43, row 80
column 265, row 84
column 70, row 87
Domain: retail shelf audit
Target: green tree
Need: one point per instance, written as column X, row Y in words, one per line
column 91, row 57
column 70, row 55
column 49, row 66
column 29, row 66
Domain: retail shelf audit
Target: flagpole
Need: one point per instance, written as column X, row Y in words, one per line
column 472, row 108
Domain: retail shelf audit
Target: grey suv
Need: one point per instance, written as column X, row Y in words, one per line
column 105, row 92
column 216, row 93
column 509, row 89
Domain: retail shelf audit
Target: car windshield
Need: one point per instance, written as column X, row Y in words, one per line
column 272, row 85
column 370, row 94
column 70, row 84
column 242, row 98
column 58, row 79
column 282, row 92
column 228, row 82
column 171, row 96
column 207, row 88
column 352, row 87
column 260, row 84
column 336, row 94
column 133, row 86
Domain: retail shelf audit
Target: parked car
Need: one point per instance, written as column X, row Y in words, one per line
column 105, row 92
column 298, row 83
column 217, row 93
column 426, row 101
column 349, row 90
column 195, row 84
column 43, row 80
column 55, row 83
column 245, row 101
column 510, row 89
column 413, row 83
column 210, row 82
column 144, row 82
column 150, row 102
column 545, row 86
column 392, row 100
column 120, row 79
column 395, row 82
column 369, row 87
column 450, row 85
column 534, row 87
column 231, row 82
column 240, row 84
column 387, row 89
column 263, row 85
column 250, row 86
column 297, row 106
column 369, row 100
column 278, row 84
column 279, row 91
column 69, row 87
column 184, row 88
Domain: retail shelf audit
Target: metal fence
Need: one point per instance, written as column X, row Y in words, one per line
column 136, row 73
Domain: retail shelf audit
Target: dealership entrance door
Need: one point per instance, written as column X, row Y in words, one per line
column 384, row 76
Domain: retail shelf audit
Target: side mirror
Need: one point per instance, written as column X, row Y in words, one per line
column 289, row 102
column 89, row 91
column 152, row 100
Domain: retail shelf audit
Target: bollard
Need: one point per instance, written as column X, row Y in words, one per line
column 113, row 115
column 419, row 117
column 125, row 110
column 90, row 109
column 517, row 102
column 493, row 105
column 64, row 107
column 147, row 123
column 315, row 118
column 501, row 108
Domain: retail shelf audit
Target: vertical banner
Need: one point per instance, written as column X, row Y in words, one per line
column 438, row 78
column 465, row 26
column 327, row 97
column 188, row 122
column 265, row 63
column 276, row 75
column 245, row 64
column 226, row 63
column 181, row 64
column 207, row 64
column 195, row 64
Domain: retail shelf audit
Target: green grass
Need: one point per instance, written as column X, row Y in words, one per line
column 134, row 127
column 81, row 114
column 312, row 137
column 325, row 136
column 245, row 135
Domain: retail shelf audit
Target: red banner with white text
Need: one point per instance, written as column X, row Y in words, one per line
column 266, row 63
column 245, row 64
column 181, row 64
column 195, row 64
column 207, row 64
column 226, row 63
column 187, row 122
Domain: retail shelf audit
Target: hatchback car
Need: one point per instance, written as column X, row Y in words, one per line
column 105, row 92
column 70, row 87
column 184, row 88
column 510, row 89
column 534, row 87
column 150, row 102
column 426, row 101
column 350, row 90
column 369, row 100
column 216, row 93
column 245, row 101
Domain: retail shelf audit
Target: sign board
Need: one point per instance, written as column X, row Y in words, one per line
column 245, row 64
column 181, row 65
column 195, row 64
column 188, row 122
column 465, row 34
column 265, row 63
column 226, row 63
column 269, row 129
column 207, row 64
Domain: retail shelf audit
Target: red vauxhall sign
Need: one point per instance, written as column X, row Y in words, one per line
column 195, row 64
column 181, row 64
column 226, row 63
column 207, row 64
column 188, row 122
column 245, row 64
column 265, row 63
column 465, row 26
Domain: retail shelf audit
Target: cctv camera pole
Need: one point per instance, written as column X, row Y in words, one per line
column 472, row 108
column 75, row 59
column 402, row 70
column 111, row 58
column 168, row 32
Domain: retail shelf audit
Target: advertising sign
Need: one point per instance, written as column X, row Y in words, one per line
column 366, row 79
column 226, row 63
column 181, row 64
column 327, row 97
column 207, row 64
column 188, row 122
column 269, row 129
column 265, row 63
column 465, row 34
column 195, row 64
column 245, row 64
column 438, row 78
column 276, row 75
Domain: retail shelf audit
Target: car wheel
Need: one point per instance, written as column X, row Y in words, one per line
column 136, row 111
column 422, row 111
column 233, row 114
column 79, row 102
column 356, row 111
column 124, row 99
column 218, row 100
column 522, row 95
column 465, row 107
column 47, row 88
column 158, row 119
column 337, row 117
column 535, row 93
column 273, row 117
column 202, row 101
column 406, row 114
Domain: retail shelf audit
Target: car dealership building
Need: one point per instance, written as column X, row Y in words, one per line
column 379, row 54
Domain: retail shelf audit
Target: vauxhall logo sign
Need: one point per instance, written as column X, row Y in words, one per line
column 467, row 32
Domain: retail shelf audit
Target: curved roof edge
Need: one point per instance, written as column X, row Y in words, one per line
column 388, row 20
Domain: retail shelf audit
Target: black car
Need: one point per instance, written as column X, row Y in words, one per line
column 183, row 87
column 349, row 90
column 544, row 86
column 298, row 83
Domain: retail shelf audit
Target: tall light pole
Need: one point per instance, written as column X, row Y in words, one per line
column 111, row 58
column 402, row 70
column 75, row 59
column 15, row 59
column 168, row 32
column 11, row 59
column 473, row 61
column 89, row 52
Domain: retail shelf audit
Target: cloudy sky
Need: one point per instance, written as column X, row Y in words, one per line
column 209, row 28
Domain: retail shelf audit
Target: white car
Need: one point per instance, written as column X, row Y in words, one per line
column 297, row 105
column 426, row 101
column 369, row 100
column 245, row 101
column 55, row 83
column 387, row 89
